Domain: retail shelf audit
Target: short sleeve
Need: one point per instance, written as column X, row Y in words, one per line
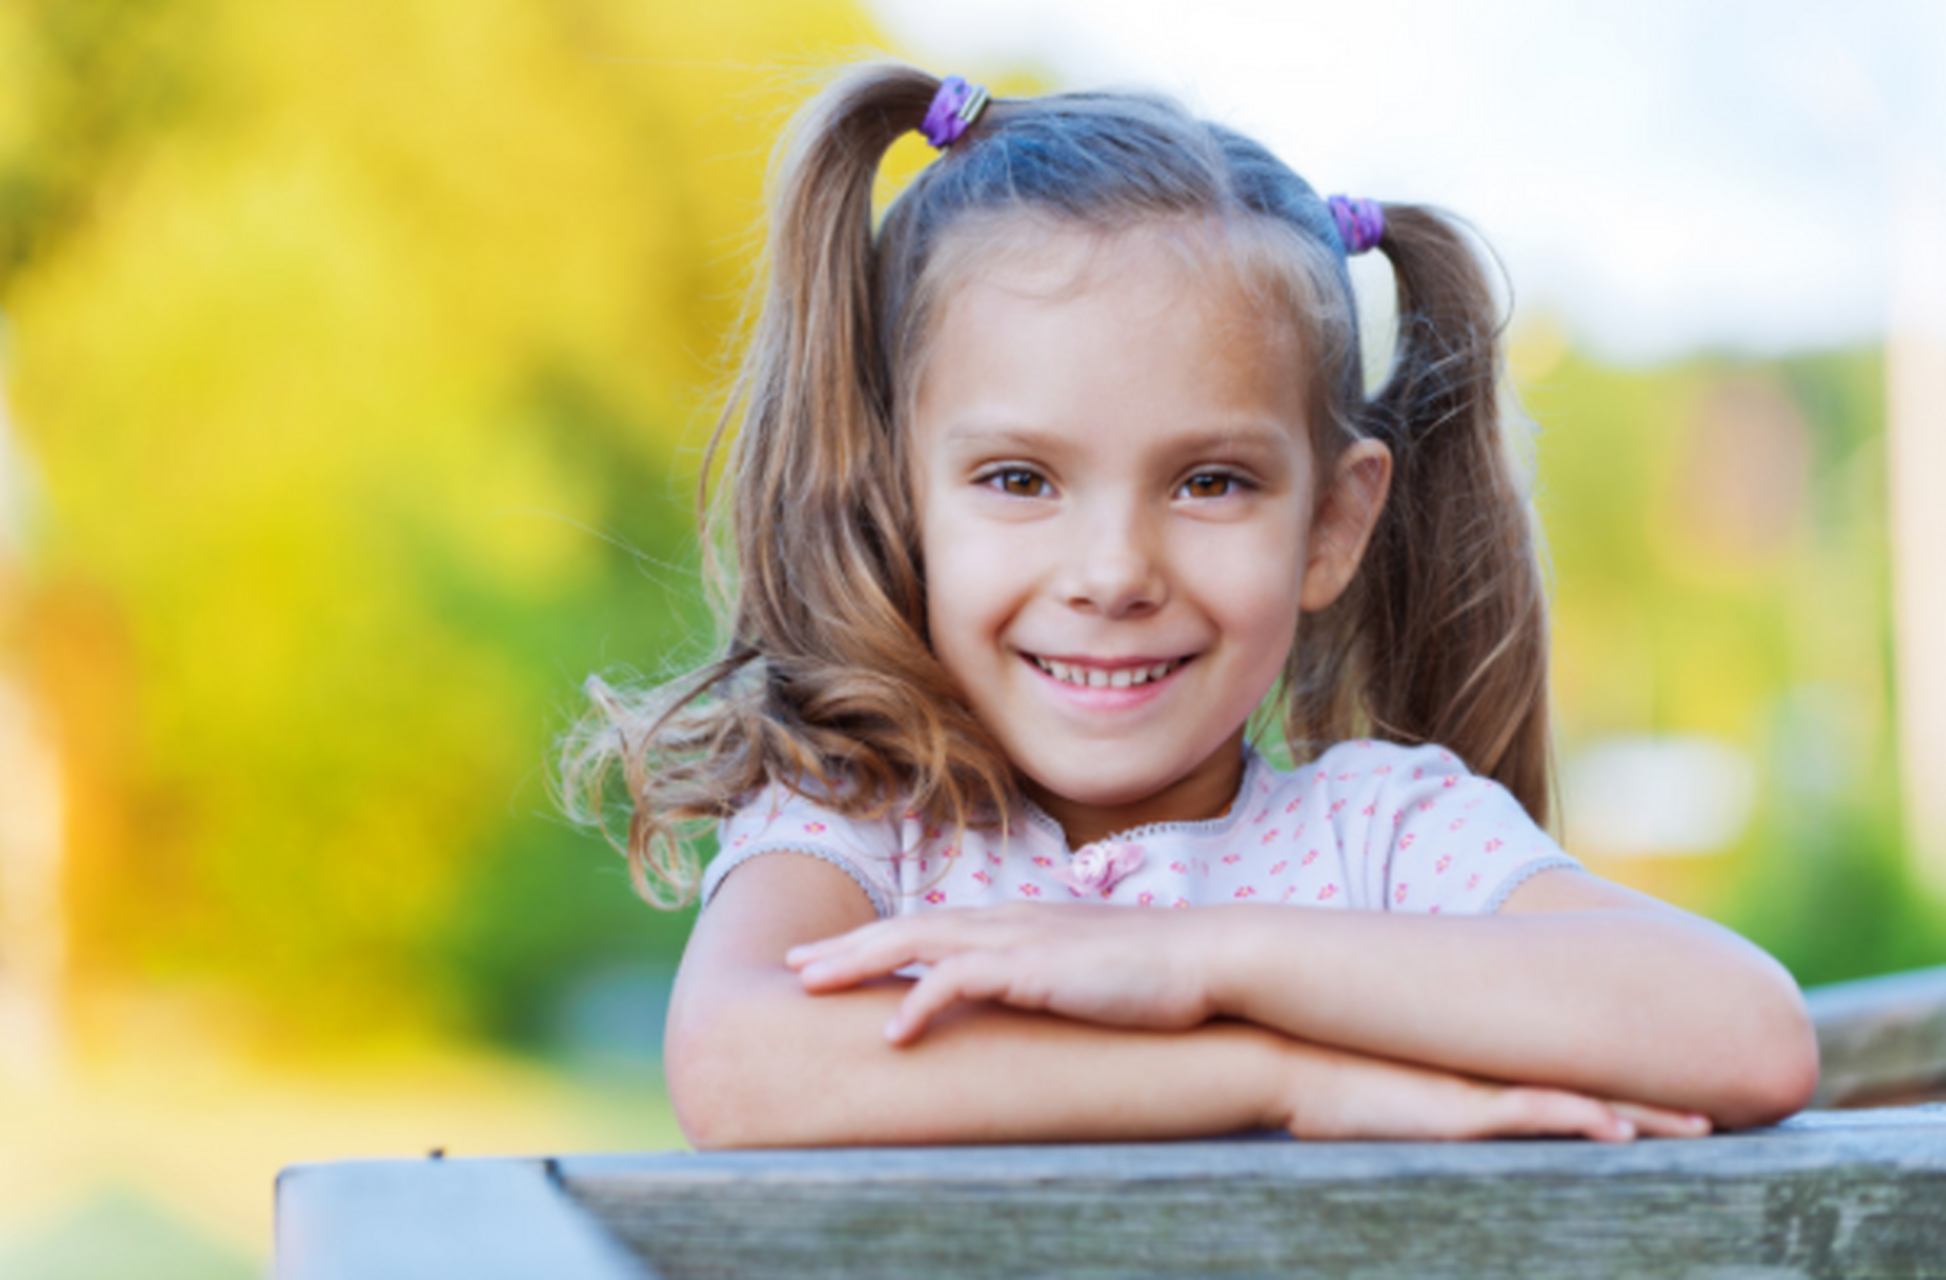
column 1451, row 842
column 780, row 820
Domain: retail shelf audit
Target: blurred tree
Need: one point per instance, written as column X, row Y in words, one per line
column 1718, row 536
column 361, row 347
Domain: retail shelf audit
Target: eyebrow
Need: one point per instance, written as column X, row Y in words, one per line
column 984, row 433
column 1245, row 436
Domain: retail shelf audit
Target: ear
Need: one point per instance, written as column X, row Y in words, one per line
column 1341, row 526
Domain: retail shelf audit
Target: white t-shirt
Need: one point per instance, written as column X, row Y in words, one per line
column 1368, row 826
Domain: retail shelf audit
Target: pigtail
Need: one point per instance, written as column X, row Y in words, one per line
column 825, row 676
column 1450, row 608
column 805, row 423
column 829, row 590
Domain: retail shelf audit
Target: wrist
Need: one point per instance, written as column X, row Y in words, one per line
column 1297, row 1080
column 1231, row 956
column 1202, row 958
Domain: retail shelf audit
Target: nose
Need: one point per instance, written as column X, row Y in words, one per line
column 1113, row 566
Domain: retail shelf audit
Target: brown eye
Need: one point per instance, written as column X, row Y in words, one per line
column 1019, row 483
column 1211, row 484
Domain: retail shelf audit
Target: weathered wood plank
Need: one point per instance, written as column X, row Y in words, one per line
column 1881, row 1038
column 1826, row 1194
column 1839, row 1193
column 440, row 1220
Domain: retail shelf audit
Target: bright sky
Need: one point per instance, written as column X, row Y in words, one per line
column 1662, row 175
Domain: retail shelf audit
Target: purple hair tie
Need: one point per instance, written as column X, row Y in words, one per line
column 1361, row 223
column 954, row 109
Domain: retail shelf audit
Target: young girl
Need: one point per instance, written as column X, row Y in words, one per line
column 1040, row 493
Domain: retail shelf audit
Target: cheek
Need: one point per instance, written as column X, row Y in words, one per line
column 1256, row 596
column 1271, row 624
column 963, row 599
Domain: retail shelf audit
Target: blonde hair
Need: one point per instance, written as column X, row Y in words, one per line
column 825, row 676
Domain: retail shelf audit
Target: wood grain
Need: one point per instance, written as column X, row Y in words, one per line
column 1826, row 1194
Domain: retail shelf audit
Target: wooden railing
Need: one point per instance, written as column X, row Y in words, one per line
column 1832, row 1192
column 1881, row 1041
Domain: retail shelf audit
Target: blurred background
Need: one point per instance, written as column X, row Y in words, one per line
column 355, row 363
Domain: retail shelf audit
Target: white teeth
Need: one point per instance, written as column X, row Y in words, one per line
column 1097, row 678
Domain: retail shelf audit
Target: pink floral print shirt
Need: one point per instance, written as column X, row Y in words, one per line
column 1367, row 826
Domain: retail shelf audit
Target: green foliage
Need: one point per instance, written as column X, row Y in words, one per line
column 85, row 85
column 1718, row 531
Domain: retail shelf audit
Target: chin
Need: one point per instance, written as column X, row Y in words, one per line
column 1099, row 792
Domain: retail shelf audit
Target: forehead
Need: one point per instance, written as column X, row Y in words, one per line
column 1048, row 259
column 1068, row 324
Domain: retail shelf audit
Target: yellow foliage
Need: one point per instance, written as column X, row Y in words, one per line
column 288, row 350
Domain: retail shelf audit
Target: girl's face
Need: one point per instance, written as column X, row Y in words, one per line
column 1116, row 489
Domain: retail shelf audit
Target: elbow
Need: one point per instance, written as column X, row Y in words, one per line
column 709, row 1129
column 1792, row 1080
column 707, row 1118
column 712, row 1102
column 728, row 1085
column 1779, row 1075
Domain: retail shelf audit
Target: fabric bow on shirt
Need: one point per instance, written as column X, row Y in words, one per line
column 1099, row 867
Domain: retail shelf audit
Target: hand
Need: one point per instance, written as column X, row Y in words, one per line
column 1338, row 1096
column 1102, row 964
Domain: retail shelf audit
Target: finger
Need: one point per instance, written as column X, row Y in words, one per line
column 810, row 952
column 1660, row 1122
column 1556, row 1112
column 804, row 953
column 947, row 925
column 973, row 975
column 870, row 952
column 890, row 945
column 835, row 973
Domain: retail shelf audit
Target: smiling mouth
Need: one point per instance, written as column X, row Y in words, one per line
column 1102, row 678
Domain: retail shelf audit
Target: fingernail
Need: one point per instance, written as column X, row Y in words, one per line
column 892, row 1030
column 1627, row 1129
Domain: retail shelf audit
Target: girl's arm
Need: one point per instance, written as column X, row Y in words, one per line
column 755, row 1060
column 1577, row 984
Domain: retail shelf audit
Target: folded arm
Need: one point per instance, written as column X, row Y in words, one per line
column 755, row 1060
column 1577, row 984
